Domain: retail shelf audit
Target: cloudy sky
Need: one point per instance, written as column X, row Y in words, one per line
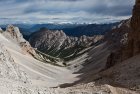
column 63, row 11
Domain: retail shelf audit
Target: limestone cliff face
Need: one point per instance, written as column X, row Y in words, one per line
column 118, row 39
column 12, row 33
column 131, row 47
column 134, row 36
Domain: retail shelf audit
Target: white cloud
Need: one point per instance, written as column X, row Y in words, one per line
column 65, row 10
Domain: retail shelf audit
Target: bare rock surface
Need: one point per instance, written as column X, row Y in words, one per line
column 58, row 44
column 20, row 73
column 111, row 67
column 13, row 34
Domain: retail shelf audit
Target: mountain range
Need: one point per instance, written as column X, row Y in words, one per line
column 58, row 44
column 105, row 63
column 75, row 30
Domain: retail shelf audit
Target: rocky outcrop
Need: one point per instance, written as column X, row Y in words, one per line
column 118, row 39
column 129, row 45
column 135, row 34
column 14, row 35
column 58, row 44
column 133, row 46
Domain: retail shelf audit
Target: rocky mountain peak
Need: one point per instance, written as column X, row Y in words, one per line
column 134, row 36
column 132, row 45
column 13, row 33
column 135, row 21
column 57, row 43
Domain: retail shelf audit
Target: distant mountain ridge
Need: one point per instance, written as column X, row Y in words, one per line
column 90, row 29
column 75, row 30
column 57, row 43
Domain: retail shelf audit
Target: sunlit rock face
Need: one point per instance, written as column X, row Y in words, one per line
column 13, row 34
column 58, row 44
